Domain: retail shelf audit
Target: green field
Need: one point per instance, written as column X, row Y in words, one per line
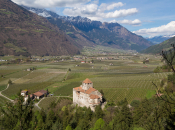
column 46, row 102
column 127, row 78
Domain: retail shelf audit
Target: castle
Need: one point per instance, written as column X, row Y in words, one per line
column 86, row 95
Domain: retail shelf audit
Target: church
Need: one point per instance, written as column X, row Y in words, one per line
column 86, row 95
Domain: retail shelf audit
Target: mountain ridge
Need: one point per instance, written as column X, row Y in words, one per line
column 26, row 33
column 158, row 39
column 157, row 49
column 96, row 32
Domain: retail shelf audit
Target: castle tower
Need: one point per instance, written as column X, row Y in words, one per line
column 86, row 84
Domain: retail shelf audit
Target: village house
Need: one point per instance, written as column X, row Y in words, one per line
column 36, row 95
column 24, row 92
column 40, row 94
column 29, row 69
column 86, row 95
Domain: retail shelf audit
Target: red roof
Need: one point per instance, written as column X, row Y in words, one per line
column 38, row 94
column 43, row 91
column 92, row 96
column 79, row 89
column 87, row 81
column 90, row 90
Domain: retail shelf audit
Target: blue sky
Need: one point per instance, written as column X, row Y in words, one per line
column 143, row 17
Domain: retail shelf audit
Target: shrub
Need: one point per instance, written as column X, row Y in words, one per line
column 135, row 103
column 9, row 82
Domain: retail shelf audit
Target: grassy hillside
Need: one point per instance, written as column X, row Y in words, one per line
column 155, row 49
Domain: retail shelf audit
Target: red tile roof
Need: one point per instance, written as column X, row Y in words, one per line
column 90, row 90
column 38, row 94
column 92, row 96
column 87, row 81
column 79, row 89
column 43, row 91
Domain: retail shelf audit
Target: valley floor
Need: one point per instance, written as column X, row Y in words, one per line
column 127, row 77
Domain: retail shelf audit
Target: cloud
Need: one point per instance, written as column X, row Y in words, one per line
column 85, row 8
column 167, row 29
column 50, row 3
column 103, row 11
column 135, row 22
column 105, row 6
column 121, row 13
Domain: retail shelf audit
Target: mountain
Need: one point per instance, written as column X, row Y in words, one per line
column 158, row 39
column 26, row 33
column 95, row 32
column 156, row 49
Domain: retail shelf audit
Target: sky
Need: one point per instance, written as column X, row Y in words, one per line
column 147, row 18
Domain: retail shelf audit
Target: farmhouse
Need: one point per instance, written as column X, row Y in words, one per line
column 37, row 95
column 86, row 95
column 40, row 94
column 24, row 92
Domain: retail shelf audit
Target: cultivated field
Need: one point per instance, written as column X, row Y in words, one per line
column 127, row 77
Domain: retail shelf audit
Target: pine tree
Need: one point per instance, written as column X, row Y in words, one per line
column 17, row 116
column 98, row 112
column 123, row 119
column 88, row 114
column 50, row 119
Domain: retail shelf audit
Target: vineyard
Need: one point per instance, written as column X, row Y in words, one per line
column 44, row 103
column 127, row 78
column 115, row 86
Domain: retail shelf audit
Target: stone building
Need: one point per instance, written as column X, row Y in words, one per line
column 86, row 95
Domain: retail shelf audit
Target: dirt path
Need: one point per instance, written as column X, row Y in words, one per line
column 36, row 104
column 5, row 96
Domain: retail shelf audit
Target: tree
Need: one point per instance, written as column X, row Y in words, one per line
column 88, row 114
column 99, row 124
column 17, row 116
column 50, row 119
column 123, row 118
column 68, row 127
column 169, row 96
column 10, row 81
column 98, row 112
column 135, row 103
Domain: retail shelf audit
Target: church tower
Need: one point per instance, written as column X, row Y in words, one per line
column 86, row 84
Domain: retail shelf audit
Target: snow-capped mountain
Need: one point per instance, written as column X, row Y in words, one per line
column 42, row 12
column 158, row 39
column 89, row 32
column 46, row 13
